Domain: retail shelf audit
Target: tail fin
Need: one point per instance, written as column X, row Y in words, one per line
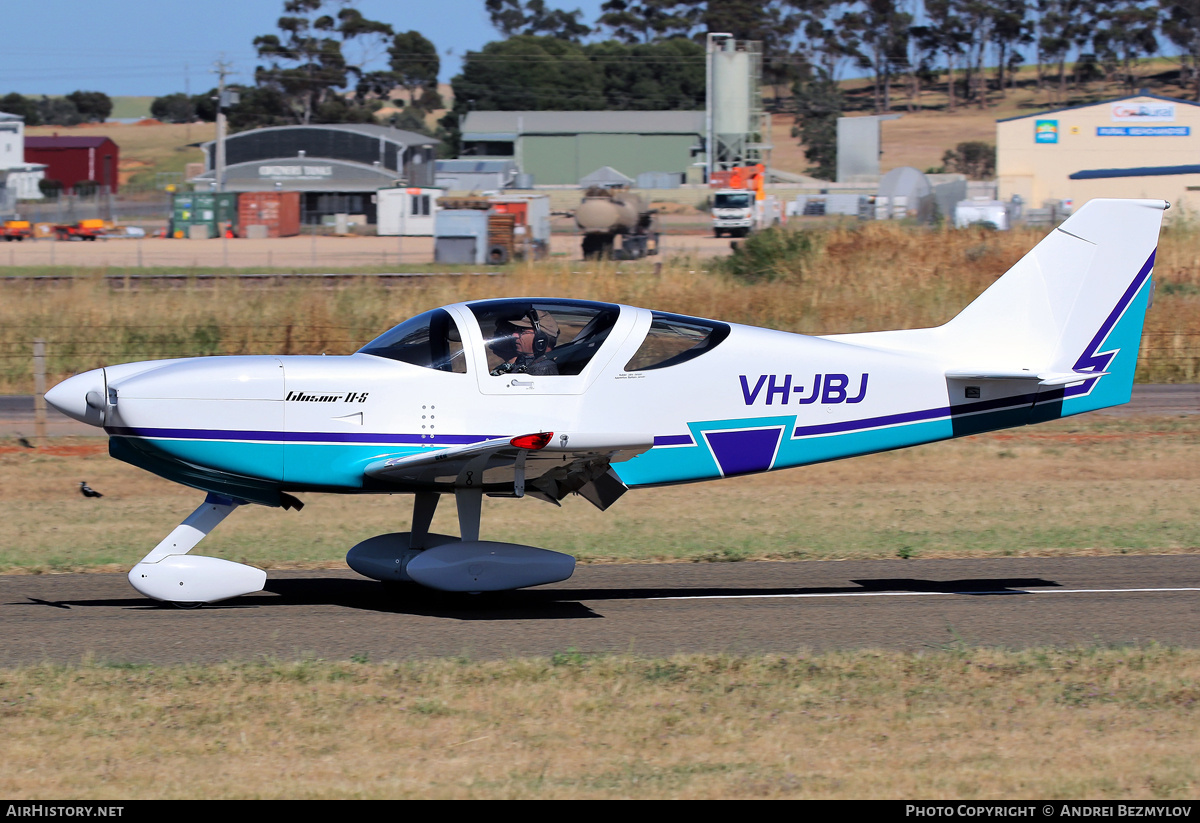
column 1070, row 308
column 1068, row 316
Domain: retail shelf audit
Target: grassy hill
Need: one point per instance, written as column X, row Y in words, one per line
column 125, row 108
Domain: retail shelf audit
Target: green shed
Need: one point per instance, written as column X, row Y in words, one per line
column 561, row 147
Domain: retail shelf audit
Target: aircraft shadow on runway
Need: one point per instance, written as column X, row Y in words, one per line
column 546, row 603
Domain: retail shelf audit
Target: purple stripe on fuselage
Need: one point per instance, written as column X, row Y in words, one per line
column 1015, row 401
column 673, row 440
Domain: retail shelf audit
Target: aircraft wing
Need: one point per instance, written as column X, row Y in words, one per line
column 545, row 465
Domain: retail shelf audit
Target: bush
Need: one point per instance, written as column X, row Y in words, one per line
column 50, row 188
column 772, row 254
column 974, row 158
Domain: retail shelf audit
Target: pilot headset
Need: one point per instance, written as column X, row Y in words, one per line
column 541, row 340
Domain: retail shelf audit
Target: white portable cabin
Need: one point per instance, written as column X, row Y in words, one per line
column 408, row 212
column 969, row 212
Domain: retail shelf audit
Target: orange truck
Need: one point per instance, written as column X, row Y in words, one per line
column 16, row 230
column 83, row 230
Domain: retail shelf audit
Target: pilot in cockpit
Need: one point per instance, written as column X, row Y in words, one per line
column 523, row 342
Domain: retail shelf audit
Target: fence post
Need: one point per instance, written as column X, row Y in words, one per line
column 39, row 391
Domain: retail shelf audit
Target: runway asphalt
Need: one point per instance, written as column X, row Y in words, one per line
column 645, row 609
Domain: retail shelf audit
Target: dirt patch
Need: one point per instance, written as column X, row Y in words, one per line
column 59, row 451
column 1077, row 437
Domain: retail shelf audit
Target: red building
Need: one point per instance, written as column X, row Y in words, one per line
column 72, row 160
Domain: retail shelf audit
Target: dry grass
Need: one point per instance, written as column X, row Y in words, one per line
column 947, row 724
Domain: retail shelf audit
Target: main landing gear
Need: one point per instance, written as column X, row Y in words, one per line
column 456, row 564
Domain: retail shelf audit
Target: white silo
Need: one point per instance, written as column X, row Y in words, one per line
column 734, row 106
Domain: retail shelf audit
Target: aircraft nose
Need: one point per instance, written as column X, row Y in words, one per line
column 82, row 397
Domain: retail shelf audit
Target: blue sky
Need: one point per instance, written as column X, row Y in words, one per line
column 157, row 47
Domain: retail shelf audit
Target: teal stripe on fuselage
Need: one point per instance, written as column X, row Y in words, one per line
column 679, row 464
column 333, row 465
column 337, row 464
column 244, row 458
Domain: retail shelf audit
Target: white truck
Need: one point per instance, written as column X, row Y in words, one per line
column 733, row 212
column 736, row 212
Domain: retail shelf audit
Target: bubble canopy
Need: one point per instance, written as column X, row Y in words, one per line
column 568, row 333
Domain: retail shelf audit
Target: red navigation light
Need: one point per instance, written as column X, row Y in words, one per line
column 533, row 442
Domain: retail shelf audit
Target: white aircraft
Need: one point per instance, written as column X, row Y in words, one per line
column 545, row 397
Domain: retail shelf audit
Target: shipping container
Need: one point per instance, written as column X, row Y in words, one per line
column 217, row 211
column 277, row 211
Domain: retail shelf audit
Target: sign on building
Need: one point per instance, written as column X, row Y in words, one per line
column 1045, row 131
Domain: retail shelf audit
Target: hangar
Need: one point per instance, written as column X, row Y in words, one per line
column 561, row 147
column 1144, row 145
column 337, row 168
column 73, row 160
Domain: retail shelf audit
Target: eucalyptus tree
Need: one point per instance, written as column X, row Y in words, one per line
column 1127, row 30
column 415, row 66
column 514, row 18
column 648, row 21
column 1181, row 25
column 307, row 60
column 883, row 32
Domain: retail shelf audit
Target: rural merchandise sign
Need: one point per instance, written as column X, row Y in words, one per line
column 1045, row 131
column 1143, row 131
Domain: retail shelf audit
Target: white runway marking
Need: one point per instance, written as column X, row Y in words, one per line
column 913, row 594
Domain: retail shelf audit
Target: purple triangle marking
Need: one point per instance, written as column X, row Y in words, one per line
column 743, row 452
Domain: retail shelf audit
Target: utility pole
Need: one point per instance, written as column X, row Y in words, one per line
column 187, row 92
column 223, row 101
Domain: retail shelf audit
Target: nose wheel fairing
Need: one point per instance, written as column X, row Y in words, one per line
column 168, row 573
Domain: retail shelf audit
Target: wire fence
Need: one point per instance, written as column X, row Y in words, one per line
column 128, row 253
column 102, row 204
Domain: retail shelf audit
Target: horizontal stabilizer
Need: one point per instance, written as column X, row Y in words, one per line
column 1042, row 378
